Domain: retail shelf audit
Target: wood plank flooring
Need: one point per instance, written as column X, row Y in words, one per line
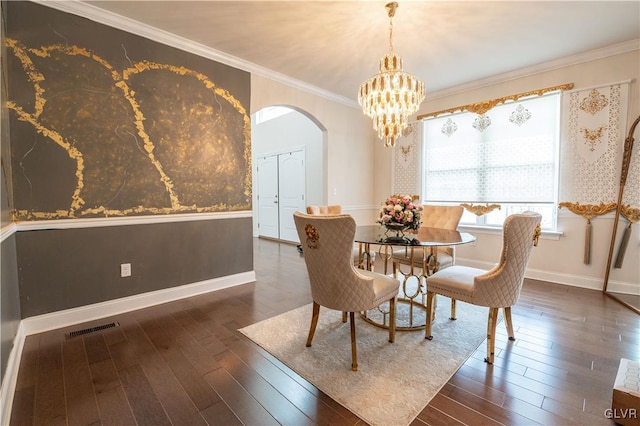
column 185, row 363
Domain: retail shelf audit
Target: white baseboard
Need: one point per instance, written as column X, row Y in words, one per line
column 622, row 287
column 539, row 274
column 10, row 377
column 59, row 319
column 55, row 320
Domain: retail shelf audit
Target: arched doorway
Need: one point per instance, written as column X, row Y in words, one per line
column 285, row 141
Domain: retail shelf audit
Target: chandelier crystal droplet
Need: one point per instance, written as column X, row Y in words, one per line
column 392, row 95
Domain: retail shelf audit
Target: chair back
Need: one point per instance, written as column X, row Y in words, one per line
column 327, row 242
column 445, row 217
column 333, row 209
column 500, row 287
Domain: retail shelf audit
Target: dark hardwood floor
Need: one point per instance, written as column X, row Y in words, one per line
column 185, row 363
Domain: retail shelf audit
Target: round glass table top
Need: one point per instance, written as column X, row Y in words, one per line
column 426, row 236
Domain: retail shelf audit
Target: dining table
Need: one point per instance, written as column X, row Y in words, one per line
column 411, row 307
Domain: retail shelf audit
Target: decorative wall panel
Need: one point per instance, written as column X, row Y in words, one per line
column 106, row 123
column 406, row 161
column 592, row 140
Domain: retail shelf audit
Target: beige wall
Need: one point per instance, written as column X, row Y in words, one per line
column 559, row 260
column 348, row 139
column 359, row 167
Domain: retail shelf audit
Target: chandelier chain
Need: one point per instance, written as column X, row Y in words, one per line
column 391, row 34
column 392, row 95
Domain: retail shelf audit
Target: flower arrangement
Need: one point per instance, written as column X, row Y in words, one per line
column 400, row 210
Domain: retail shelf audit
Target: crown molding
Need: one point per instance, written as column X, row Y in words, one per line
column 592, row 55
column 132, row 26
column 111, row 19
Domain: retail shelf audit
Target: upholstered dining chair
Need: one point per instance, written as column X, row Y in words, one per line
column 335, row 282
column 337, row 209
column 496, row 288
column 433, row 216
column 318, row 210
column 322, row 210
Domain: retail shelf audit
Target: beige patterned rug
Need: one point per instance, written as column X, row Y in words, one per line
column 394, row 381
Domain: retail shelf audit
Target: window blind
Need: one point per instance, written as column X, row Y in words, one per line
column 508, row 155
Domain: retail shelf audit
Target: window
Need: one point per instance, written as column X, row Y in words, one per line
column 269, row 113
column 508, row 156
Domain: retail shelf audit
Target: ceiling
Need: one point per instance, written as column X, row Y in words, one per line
column 335, row 45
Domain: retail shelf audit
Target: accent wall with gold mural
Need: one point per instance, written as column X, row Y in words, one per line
column 108, row 123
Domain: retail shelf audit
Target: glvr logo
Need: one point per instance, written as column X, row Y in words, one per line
column 621, row 413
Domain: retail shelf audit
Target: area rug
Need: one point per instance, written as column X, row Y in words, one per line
column 394, row 381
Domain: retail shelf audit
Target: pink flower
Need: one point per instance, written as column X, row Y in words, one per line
column 401, row 210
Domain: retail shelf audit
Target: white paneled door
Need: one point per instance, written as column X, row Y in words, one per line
column 281, row 192
column 268, row 197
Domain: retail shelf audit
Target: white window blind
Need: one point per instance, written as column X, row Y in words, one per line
column 507, row 156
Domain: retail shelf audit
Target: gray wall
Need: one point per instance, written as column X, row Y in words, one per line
column 48, row 270
column 9, row 296
column 62, row 269
column 9, row 299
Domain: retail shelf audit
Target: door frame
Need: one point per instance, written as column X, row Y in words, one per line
column 256, row 208
column 319, row 196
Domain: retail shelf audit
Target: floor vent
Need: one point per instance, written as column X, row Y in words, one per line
column 92, row 329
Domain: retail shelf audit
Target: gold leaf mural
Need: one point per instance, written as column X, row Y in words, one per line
column 150, row 138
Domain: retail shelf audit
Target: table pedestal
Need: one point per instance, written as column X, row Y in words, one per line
column 411, row 306
column 411, row 309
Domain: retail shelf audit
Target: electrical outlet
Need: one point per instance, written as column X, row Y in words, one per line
column 125, row 270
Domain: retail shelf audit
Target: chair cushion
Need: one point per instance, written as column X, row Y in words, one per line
column 500, row 287
column 456, row 282
column 403, row 256
column 384, row 287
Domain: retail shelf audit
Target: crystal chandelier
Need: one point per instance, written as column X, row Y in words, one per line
column 392, row 95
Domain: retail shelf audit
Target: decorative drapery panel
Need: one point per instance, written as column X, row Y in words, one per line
column 406, row 161
column 593, row 130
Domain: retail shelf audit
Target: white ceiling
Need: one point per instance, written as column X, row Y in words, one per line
column 335, row 45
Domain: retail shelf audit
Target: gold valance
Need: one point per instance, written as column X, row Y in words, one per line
column 483, row 107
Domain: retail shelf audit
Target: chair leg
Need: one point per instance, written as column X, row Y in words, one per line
column 491, row 334
column 453, row 309
column 344, row 316
column 354, row 352
column 509, row 323
column 394, row 268
column 392, row 320
column 431, row 299
column 314, row 322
